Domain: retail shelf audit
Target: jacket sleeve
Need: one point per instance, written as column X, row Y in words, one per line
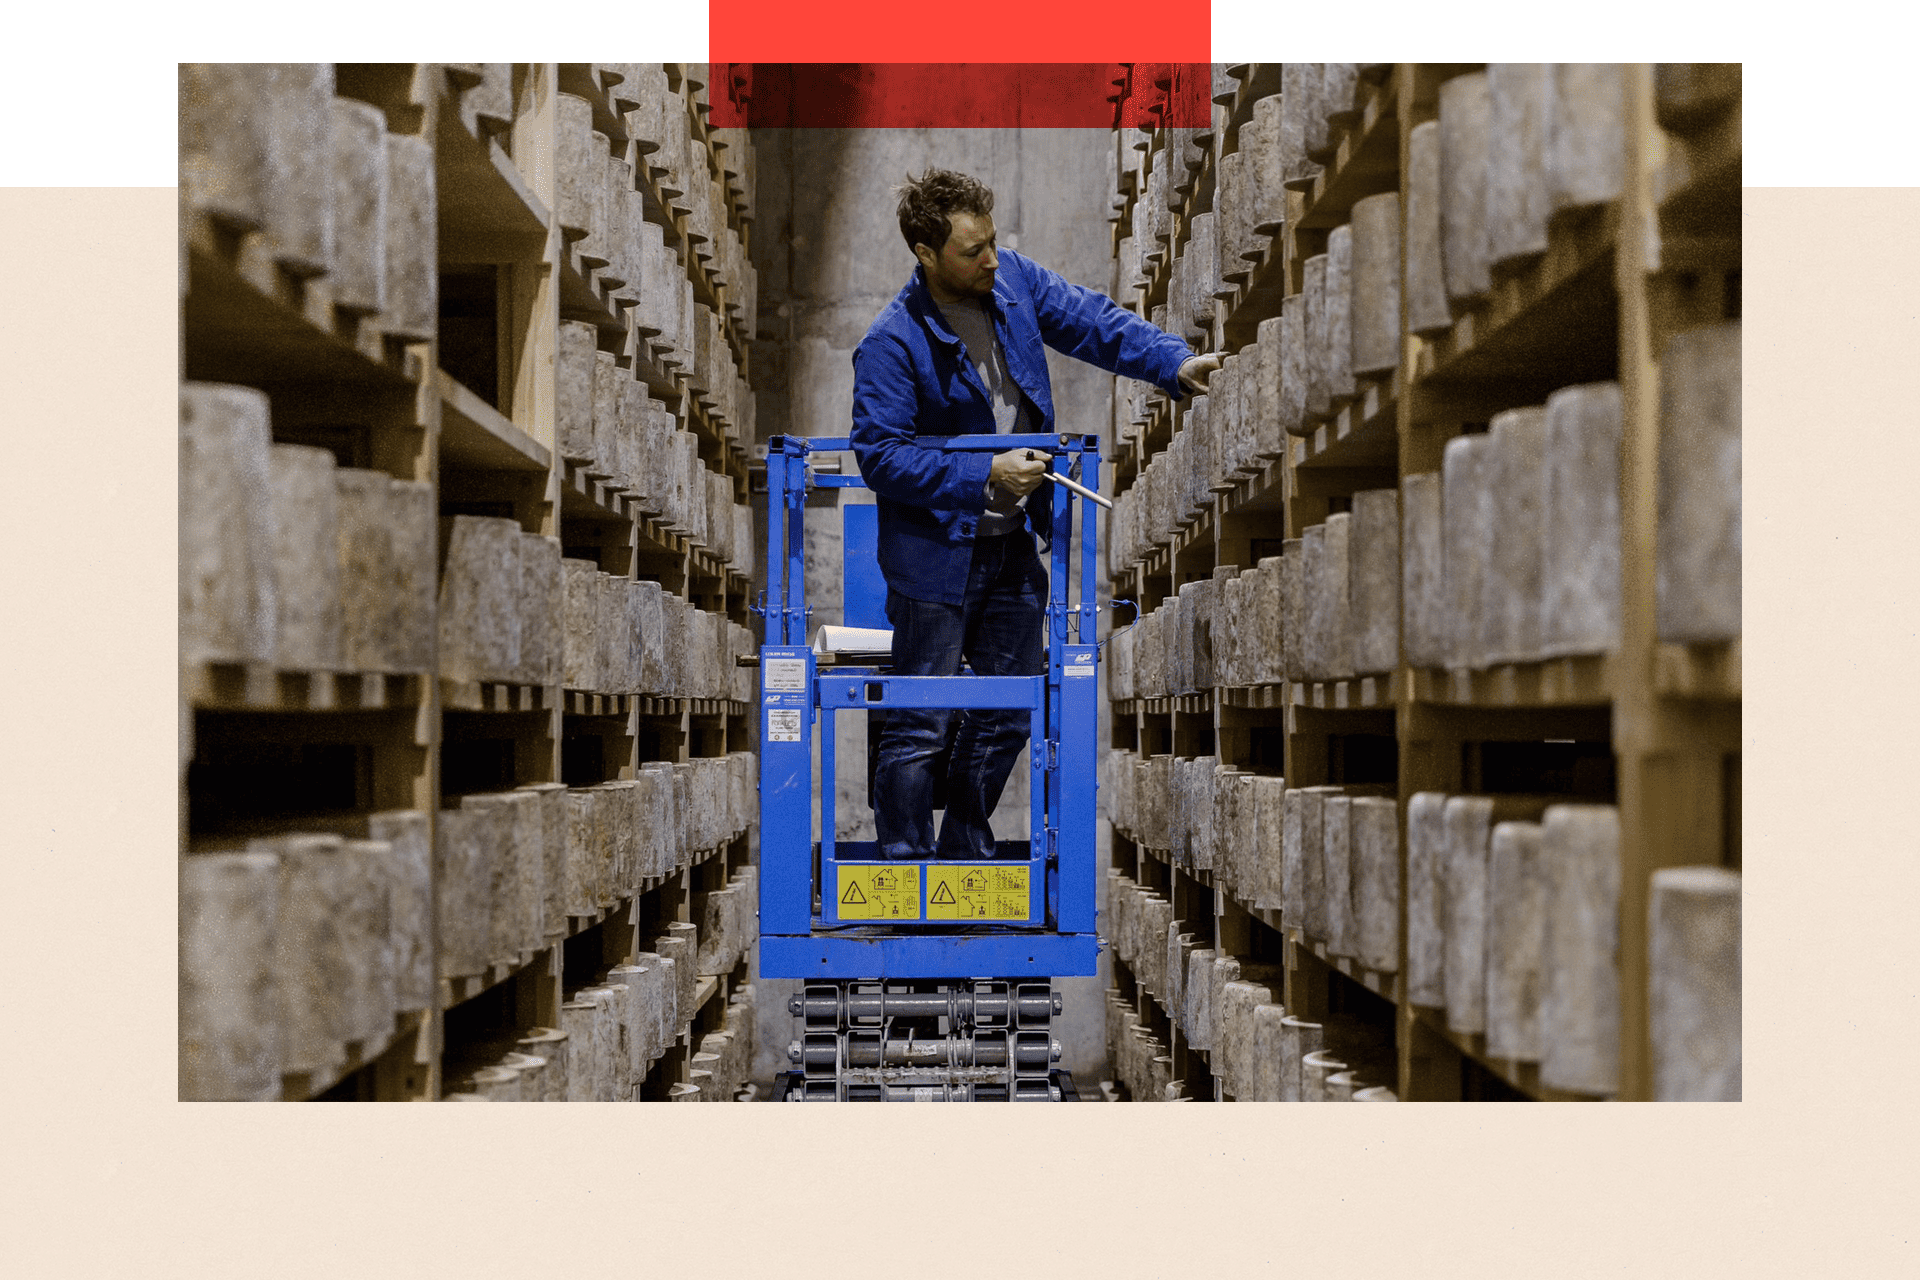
column 884, row 407
column 1090, row 326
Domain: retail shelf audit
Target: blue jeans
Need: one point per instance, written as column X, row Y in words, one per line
column 999, row 630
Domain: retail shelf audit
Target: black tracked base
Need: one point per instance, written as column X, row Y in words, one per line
column 788, row 1083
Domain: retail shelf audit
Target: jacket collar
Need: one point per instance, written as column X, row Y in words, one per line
column 921, row 301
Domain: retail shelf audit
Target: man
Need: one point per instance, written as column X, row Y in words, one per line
column 959, row 351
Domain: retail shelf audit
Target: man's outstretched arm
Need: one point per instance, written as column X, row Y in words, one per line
column 1088, row 325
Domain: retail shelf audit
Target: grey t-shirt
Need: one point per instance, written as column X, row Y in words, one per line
column 1010, row 412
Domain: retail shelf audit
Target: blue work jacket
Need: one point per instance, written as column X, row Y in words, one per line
column 911, row 376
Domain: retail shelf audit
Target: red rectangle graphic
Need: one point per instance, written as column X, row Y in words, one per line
column 959, row 95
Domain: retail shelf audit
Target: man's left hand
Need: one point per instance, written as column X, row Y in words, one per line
column 1196, row 370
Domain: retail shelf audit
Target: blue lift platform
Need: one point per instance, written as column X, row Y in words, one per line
column 913, row 966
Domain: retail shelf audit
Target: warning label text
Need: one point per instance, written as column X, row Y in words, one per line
column 869, row 891
column 979, row 893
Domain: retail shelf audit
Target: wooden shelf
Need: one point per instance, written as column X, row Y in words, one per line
column 660, row 209
column 1698, row 187
column 1256, row 697
column 1196, row 532
column 703, row 993
column 477, row 437
column 1192, row 704
column 1157, row 563
column 461, row 988
column 1363, row 693
column 1549, row 325
column 1385, row 985
column 387, row 736
column 1258, row 297
column 578, row 924
column 496, row 695
column 1364, row 433
column 246, row 320
column 662, row 538
column 721, row 447
column 576, row 702
column 1558, row 682
column 487, row 212
column 1261, row 491
column 232, row 686
column 1199, row 196
column 1517, row 1073
column 1700, row 184
column 1261, row 81
column 584, row 298
column 1591, row 308
column 665, row 383
column 409, row 1029
column 1366, row 162
column 1701, row 672
column 583, row 497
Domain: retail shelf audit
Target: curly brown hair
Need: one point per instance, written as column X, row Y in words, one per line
column 928, row 203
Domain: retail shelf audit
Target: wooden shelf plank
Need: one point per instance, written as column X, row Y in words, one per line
column 1364, row 433
column 1699, row 185
column 584, row 298
column 496, row 695
column 1255, row 697
column 1547, row 325
column 1700, row 671
column 1366, row 162
column 476, row 436
column 487, row 212
column 583, row 497
column 703, row 993
column 350, row 1057
column 1558, row 682
column 1385, row 985
column 1521, row 1075
column 229, row 686
column 245, row 320
column 1261, row 491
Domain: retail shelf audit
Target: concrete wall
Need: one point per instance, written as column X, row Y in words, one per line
column 830, row 256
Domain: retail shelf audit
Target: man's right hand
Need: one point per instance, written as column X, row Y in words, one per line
column 1018, row 471
column 1197, row 371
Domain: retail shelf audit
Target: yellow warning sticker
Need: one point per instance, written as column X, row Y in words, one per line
column 979, row 892
column 869, row 891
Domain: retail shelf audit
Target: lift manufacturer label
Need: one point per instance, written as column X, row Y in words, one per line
column 783, row 726
column 966, row 892
column 868, row 891
column 786, row 675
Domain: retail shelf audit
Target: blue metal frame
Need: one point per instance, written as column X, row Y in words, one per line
column 798, row 939
column 863, row 597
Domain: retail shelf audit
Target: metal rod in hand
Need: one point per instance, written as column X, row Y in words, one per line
column 1081, row 489
column 1074, row 485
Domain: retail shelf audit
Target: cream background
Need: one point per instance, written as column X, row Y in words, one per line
column 106, row 1175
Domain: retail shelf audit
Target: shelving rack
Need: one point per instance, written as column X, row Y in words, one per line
column 1653, row 725
column 469, row 406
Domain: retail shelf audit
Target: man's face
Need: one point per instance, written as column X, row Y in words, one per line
column 965, row 265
